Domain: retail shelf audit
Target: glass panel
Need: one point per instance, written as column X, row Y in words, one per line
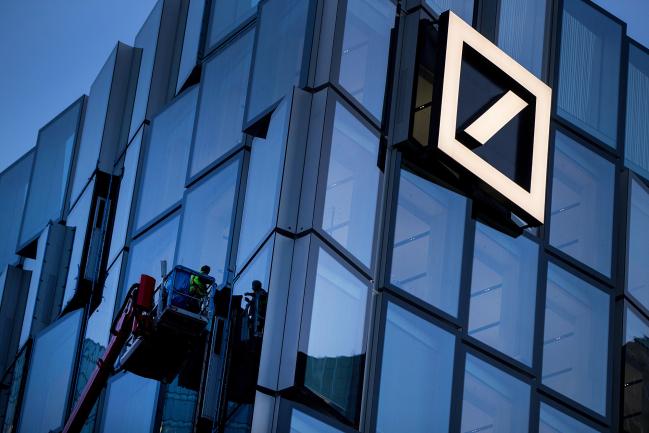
column 416, row 375
column 428, row 239
column 335, row 352
column 35, row 266
column 13, row 192
column 554, row 421
column 365, row 51
column 635, row 398
column 303, row 423
column 164, row 169
column 51, row 171
column 575, row 340
column 130, row 404
column 637, row 111
column 493, row 400
column 581, row 222
column 207, row 222
column 462, row 8
column 226, row 16
column 14, row 393
column 93, row 127
column 352, row 185
column 78, row 218
column 178, row 409
column 278, row 54
column 637, row 282
column 589, row 70
column 49, row 376
column 521, row 32
column 148, row 251
column 503, row 292
column 147, row 39
column 191, row 41
column 264, row 184
column 125, row 198
column 222, row 103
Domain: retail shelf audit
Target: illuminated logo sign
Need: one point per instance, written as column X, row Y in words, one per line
column 492, row 118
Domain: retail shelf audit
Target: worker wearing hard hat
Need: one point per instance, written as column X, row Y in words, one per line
column 197, row 285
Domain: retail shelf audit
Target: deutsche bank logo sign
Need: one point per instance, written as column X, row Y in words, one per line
column 494, row 118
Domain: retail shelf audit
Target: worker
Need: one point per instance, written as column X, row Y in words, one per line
column 198, row 286
column 257, row 305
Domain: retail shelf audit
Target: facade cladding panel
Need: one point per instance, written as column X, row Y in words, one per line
column 357, row 288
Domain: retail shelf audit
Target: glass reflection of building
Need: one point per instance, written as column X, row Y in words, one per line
column 355, row 291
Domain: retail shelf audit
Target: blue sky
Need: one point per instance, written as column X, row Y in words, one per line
column 51, row 51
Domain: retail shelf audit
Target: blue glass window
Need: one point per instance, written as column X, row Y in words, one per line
column 493, row 400
column 191, row 41
column 503, row 292
column 35, row 266
column 165, row 164
column 581, row 223
column 575, row 339
column 428, row 238
column 462, row 8
column 178, row 409
column 303, row 423
column 416, row 375
column 226, row 16
column 637, row 281
column 352, row 185
column 637, row 111
column 207, row 221
column 50, row 373
column 278, row 54
column 554, row 421
column 365, row 51
column 130, row 404
column 264, row 184
column 222, row 103
column 521, row 32
column 589, row 70
column 635, row 353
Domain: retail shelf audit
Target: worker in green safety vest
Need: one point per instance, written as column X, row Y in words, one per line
column 197, row 284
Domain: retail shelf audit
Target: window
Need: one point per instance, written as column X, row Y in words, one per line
column 503, row 292
column 178, row 409
column 207, row 222
column 637, row 281
column 581, row 221
column 521, row 32
column 303, row 423
column 589, row 70
column 334, row 355
column 49, row 376
column 635, row 407
column 554, row 421
column 493, row 400
column 278, row 53
column 462, row 8
column 35, row 267
column 428, row 239
column 191, row 41
column 222, row 103
column 49, row 178
column 264, row 184
column 416, row 375
column 365, row 51
column 575, row 339
column 637, row 111
column 130, row 404
column 164, row 169
column 226, row 16
column 352, row 185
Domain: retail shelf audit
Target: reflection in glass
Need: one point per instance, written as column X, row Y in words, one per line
column 178, row 409
column 428, row 238
column 635, row 415
column 462, row 8
column 637, row 111
column 207, row 220
column 521, row 32
column 303, row 423
column 589, row 70
column 352, row 186
column 130, row 405
column 581, row 222
column 49, row 376
column 493, row 400
column 637, row 281
column 226, row 16
column 575, row 339
column 191, row 41
column 35, row 267
column 335, row 352
column 164, row 169
column 365, row 50
column 224, row 84
column 503, row 292
column 264, row 184
column 14, row 393
column 278, row 54
column 416, row 375
column 554, row 421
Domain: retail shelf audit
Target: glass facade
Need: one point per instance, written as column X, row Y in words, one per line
column 637, row 133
